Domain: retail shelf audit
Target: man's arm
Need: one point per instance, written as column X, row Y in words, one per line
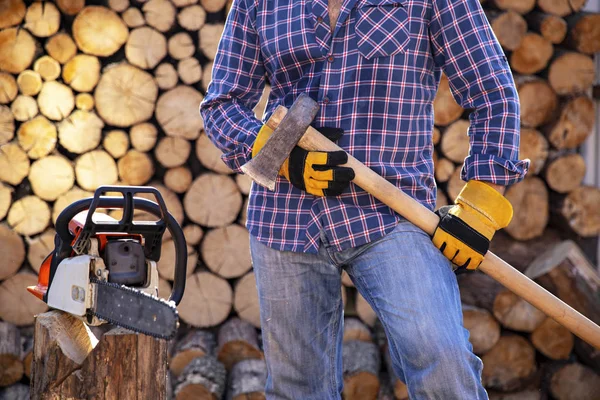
column 238, row 80
column 464, row 46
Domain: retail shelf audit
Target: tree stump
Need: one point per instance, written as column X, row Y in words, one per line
column 166, row 264
column 11, row 367
column 8, row 88
column 189, row 70
column 29, row 82
column 364, row 310
column 515, row 313
column 133, row 17
column 210, row 35
column 84, row 101
column 69, row 362
column 181, row 46
column 584, row 32
column 579, row 211
column 178, row 179
column 520, row 6
column 56, row 100
column 196, row 343
column 5, row 200
column 361, row 362
column 238, row 340
column 39, row 248
column 70, row 7
column 135, row 168
column 116, row 143
column 17, row 391
column 80, row 132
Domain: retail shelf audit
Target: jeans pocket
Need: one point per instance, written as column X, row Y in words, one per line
column 381, row 28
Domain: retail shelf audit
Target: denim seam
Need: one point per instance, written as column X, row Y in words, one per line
column 332, row 353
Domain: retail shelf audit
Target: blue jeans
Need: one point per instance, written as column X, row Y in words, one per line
column 408, row 283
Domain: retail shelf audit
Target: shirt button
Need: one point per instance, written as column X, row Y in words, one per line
column 319, row 19
column 325, row 100
column 330, row 59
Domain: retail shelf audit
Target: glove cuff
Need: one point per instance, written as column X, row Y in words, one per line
column 261, row 138
column 487, row 201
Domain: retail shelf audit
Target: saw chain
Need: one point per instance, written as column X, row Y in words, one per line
column 134, row 310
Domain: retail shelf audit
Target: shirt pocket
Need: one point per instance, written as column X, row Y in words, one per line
column 381, row 28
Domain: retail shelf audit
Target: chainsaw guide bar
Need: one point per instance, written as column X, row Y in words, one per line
column 134, row 310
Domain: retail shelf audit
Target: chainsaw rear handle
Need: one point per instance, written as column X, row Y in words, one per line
column 151, row 230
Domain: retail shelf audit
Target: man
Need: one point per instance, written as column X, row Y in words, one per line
column 374, row 67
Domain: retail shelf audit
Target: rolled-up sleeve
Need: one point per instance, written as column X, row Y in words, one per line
column 465, row 48
column 236, row 86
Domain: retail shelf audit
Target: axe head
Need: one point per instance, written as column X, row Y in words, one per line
column 264, row 168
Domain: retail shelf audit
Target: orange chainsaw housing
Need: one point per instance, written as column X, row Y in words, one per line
column 75, row 227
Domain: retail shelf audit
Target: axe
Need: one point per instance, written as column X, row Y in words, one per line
column 293, row 128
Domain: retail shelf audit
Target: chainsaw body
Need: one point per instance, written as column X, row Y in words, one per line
column 103, row 269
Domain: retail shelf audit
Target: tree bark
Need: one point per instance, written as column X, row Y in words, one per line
column 238, row 340
column 70, row 362
column 247, row 380
column 361, row 370
column 203, row 379
column 354, row 329
column 196, row 343
column 11, row 367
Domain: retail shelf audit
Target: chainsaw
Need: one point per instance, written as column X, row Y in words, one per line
column 104, row 270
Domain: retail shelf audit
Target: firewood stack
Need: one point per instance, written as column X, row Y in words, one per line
column 96, row 92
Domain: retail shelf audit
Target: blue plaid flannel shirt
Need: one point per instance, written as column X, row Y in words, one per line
column 376, row 77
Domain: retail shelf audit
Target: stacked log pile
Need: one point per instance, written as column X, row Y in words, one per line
column 96, row 92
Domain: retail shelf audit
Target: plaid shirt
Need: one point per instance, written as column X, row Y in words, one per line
column 376, row 77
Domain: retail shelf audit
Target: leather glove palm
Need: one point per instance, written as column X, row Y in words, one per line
column 466, row 228
column 316, row 172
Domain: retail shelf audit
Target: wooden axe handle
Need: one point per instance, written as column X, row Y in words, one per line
column 425, row 219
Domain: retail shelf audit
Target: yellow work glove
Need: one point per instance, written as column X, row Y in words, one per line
column 466, row 228
column 315, row 172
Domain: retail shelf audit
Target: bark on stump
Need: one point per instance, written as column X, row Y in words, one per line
column 69, row 362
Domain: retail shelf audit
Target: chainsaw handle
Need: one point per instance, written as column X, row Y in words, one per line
column 64, row 247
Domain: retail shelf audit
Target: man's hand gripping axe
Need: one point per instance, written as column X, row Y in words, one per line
column 293, row 128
